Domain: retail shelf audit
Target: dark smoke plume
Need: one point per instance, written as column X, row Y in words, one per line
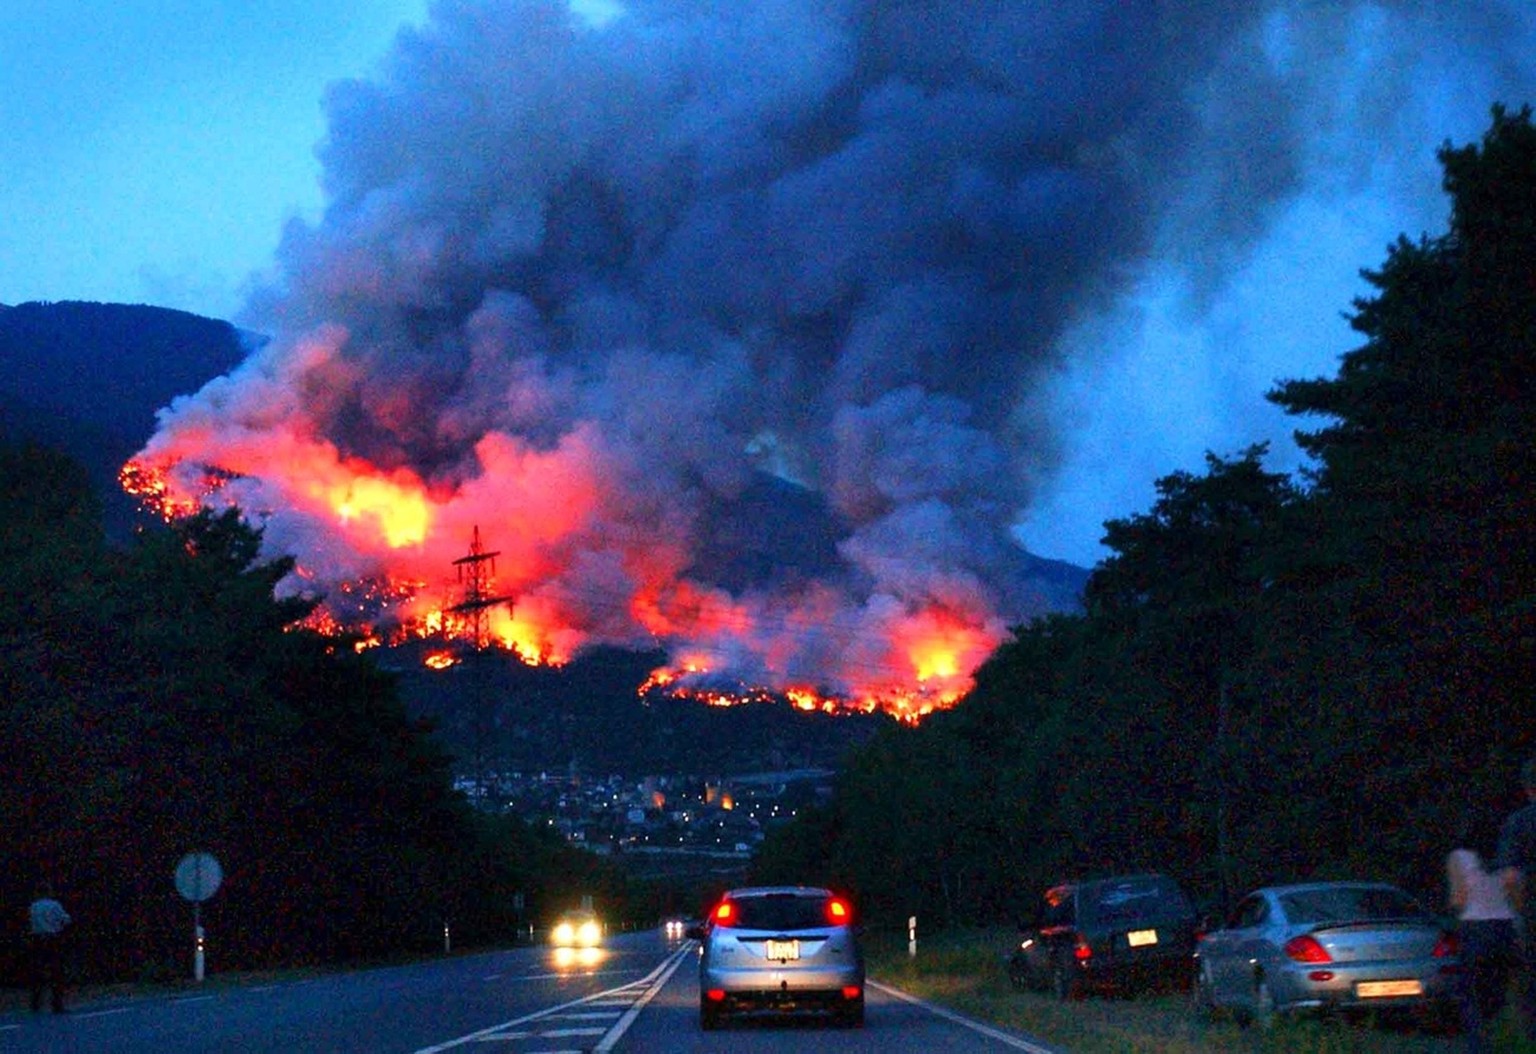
column 580, row 283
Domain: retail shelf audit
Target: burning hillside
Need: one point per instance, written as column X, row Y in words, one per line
column 810, row 645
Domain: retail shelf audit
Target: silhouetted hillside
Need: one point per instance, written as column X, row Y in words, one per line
column 588, row 716
column 87, row 378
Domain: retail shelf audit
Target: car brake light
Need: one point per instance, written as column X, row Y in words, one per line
column 1307, row 949
column 1447, row 946
column 1082, row 952
column 715, row 995
column 851, row 991
column 838, row 913
column 725, row 913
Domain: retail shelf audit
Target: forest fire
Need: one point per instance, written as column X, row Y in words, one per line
column 748, row 377
column 918, row 661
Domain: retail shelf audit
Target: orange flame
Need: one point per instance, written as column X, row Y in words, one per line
column 907, row 659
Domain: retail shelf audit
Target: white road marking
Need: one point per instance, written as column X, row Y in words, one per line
column 658, row 980
column 960, row 1019
column 102, row 1013
column 643, row 991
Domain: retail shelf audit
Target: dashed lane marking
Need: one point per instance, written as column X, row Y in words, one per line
column 606, row 1015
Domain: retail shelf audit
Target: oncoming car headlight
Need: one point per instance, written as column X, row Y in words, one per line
column 578, row 931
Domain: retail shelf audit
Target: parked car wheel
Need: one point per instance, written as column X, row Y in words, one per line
column 1064, row 982
column 1263, row 1004
column 852, row 1015
column 1201, row 999
column 709, row 1016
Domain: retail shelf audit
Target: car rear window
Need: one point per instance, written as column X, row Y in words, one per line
column 1131, row 899
column 781, row 911
column 1349, row 904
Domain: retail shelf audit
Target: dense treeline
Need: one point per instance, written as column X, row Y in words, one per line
column 1272, row 678
column 158, row 700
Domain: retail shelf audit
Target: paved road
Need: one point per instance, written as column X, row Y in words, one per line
column 638, row 995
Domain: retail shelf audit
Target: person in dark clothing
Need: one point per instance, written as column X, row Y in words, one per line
column 47, row 921
column 1517, row 870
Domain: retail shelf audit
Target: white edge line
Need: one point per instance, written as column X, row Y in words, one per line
column 961, row 1019
column 611, row 1040
column 103, row 1013
column 671, row 961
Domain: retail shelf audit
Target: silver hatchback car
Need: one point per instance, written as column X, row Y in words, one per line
column 781, row 949
column 1320, row 945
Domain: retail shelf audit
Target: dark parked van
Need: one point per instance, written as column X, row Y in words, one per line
column 1125, row 932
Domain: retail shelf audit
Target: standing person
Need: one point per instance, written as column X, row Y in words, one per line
column 1517, row 869
column 45, row 939
column 1486, row 931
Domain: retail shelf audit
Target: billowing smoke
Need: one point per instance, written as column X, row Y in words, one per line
column 583, row 284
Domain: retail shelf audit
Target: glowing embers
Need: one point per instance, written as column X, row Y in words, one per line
column 150, row 484
column 693, row 682
column 440, row 660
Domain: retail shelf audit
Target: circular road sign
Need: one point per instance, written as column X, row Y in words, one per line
column 198, row 877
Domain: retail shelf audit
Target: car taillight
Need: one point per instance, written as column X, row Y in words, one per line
column 1081, row 951
column 1447, row 946
column 838, row 912
column 1307, row 949
column 725, row 913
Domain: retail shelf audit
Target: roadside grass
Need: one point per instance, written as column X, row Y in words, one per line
column 966, row 971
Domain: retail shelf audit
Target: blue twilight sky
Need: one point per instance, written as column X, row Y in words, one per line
column 1168, row 208
column 153, row 149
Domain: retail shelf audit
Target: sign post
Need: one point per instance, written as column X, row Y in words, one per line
column 198, row 877
column 912, row 936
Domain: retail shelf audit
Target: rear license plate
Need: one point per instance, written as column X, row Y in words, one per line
column 1140, row 938
column 783, row 951
column 1383, row 989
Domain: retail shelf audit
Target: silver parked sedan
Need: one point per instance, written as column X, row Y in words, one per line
column 781, row 949
column 1325, row 945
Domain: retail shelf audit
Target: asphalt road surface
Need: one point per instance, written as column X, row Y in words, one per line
column 637, row 995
